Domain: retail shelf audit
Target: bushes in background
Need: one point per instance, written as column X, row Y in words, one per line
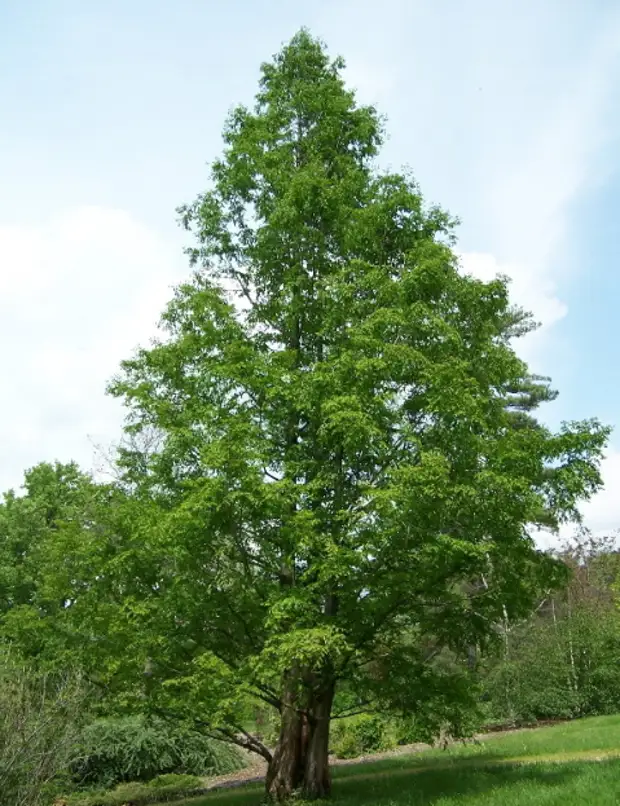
column 162, row 789
column 563, row 662
column 359, row 735
column 562, row 671
column 39, row 720
column 137, row 748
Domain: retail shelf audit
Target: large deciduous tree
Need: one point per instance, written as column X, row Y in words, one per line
column 347, row 468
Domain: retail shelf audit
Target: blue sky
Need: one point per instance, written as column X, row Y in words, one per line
column 507, row 113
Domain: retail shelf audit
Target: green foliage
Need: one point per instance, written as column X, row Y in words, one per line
column 59, row 506
column 563, row 661
column 159, row 790
column 357, row 736
column 173, row 779
column 116, row 750
column 558, row 673
column 522, row 693
column 54, row 495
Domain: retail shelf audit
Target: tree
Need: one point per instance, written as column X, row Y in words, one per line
column 345, row 446
column 56, row 499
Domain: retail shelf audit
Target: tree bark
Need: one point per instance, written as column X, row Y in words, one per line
column 285, row 771
column 300, row 761
column 317, row 777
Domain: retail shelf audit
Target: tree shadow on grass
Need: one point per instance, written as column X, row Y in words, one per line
column 417, row 785
column 427, row 786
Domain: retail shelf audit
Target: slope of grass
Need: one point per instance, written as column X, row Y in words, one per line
column 567, row 764
column 582, row 739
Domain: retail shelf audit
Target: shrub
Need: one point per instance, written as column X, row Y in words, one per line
column 137, row 748
column 39, row 720
column 180, row 781
column 558, row 671
column 355, row 736
column 408, row 731
column 160, row 790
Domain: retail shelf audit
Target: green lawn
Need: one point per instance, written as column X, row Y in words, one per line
column 567, row 764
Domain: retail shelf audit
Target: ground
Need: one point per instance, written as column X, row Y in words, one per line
column 572, row 763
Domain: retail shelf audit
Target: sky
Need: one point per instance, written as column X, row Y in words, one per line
column 507, row 113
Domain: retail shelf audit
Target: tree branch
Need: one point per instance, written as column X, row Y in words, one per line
column 360, row 709
column 222, row 734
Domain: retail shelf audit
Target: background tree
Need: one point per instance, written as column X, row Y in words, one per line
column 55, row 499
column 346, row 464
column 562, row 661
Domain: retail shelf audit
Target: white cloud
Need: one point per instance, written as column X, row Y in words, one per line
column 77, row 294
column 560, row 158
column 529, row 201
column 533, row 292
column 602, row 513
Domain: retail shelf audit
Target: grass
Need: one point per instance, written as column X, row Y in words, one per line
column 573, row 763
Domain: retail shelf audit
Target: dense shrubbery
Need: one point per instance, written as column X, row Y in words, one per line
column 160, row 790
column 39, row 720
column 356, row 736
column 137, row 748
column 365, row 734
column 45, row 748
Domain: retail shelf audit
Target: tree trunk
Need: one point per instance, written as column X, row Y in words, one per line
column 301, row 759
column 285, row 772
column 317, row 779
